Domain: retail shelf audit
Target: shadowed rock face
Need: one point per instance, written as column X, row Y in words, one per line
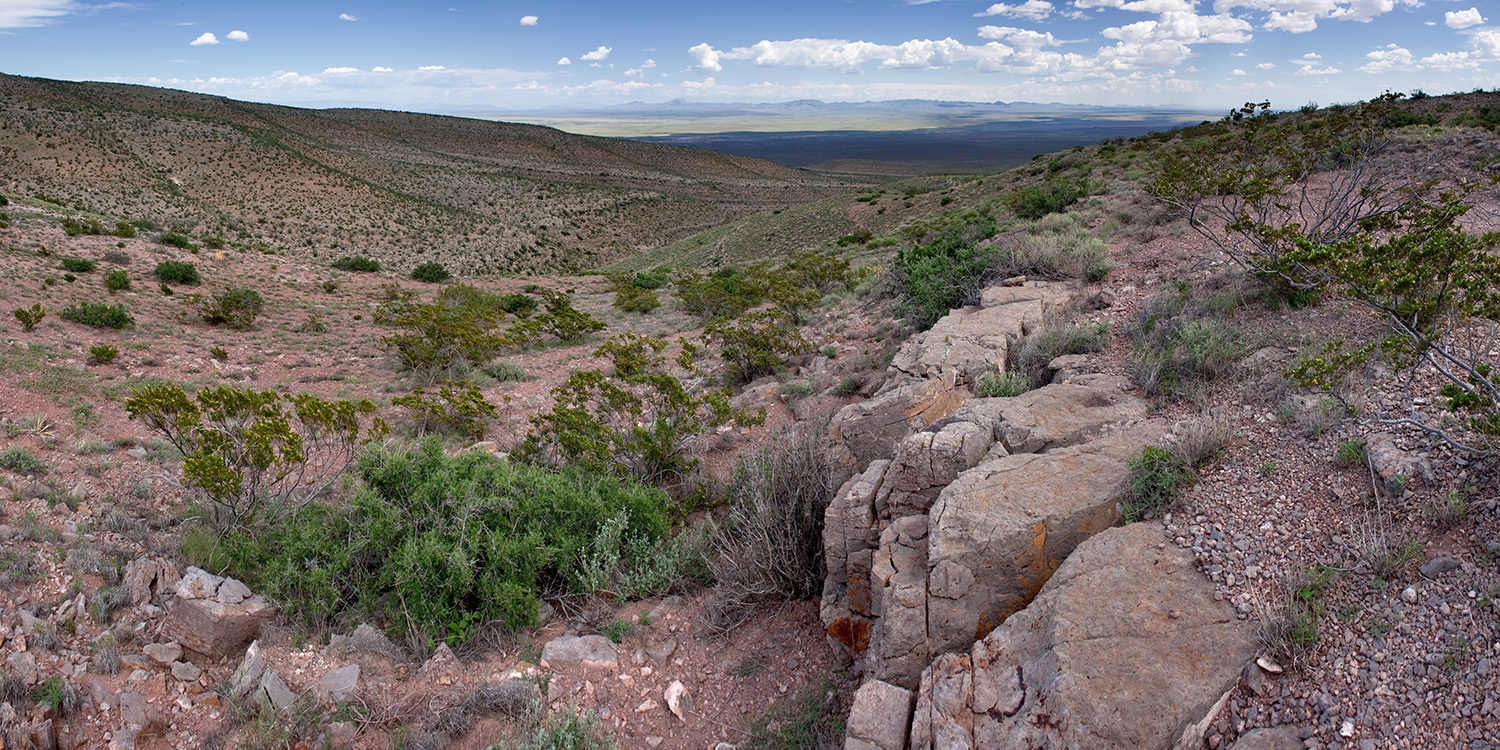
column 1125, row 647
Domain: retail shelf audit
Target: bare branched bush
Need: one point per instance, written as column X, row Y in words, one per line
column 1200, row 439
column 770, row 545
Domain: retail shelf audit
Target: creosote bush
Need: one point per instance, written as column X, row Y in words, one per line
column 78, row 265
column 432, row 272
column 117, row 281
column 98, row 315
column 103, row 354
column 456, row 405
column 236, row 307
column 29, row 317
column 177, row 272
column 442, row 545
column 756, row 344
column 357, row 264
column 254, row 458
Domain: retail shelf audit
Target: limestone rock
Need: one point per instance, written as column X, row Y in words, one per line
column 247, row 676
column 1056, row 416
column 197, row 583
column 1269, row 738
column 1125, row 647
column 871, row 430
column 186, row 671
column 147, row 579
column 339, row 685
column 969, row 342
column 678, row 700
column 879, row 717
column 1396, row 468
column 588, row 651
column 215, row 629
column 273, row 690
column 163, row 653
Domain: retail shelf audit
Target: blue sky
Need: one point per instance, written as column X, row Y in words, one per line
column 524, row 55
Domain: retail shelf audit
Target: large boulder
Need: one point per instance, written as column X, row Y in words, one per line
column 971, row 341
column 871, row 430
column 1125, row 647
column 213, row 615
column 1001, row 529
column 878, row 717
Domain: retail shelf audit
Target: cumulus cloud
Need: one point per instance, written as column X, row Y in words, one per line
column 1265, row 65
column 432, row 67
column 529, row 20
column 1031, row 10
column 598, row 55
column 237, row 36
column 1384, row 58
column 335, row 71
column 1238, row 72
column 1313, row 69
column 1463, row 19
column 1300, row 16
column 706, row 58
column 1020, row 38
column 381, row 69
column 565, row 60
column 1140, row 6
column 649, row 63
column 205, row 38
column 347, row 17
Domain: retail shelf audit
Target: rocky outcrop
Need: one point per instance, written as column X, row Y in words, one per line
column 1125, row 647
column 873, row 723
column 871, row 430
column 971, row 341
column 1396, row 468
column 875, row 531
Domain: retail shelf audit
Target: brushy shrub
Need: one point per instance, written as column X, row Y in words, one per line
column 173, row 239
column 117, row 281
column 562, row 320
column 947, row 272
column 756, row 344
column 178, row 272
column 456, row 405
column 1156, row 477
column 357, row 264
column 640, row 421
column 22, row 461
column 1001, row 384
column 1349, row 453
column 1201, row 439
column 505, row 371
column 124, row 229
column 78, row 265
column 442, row 545
column 564, row 730
column 1036, row 201
column 1184, row 335
column 236, row 307
column 29, row 317
column 635, row 299
column 103, row 354
column 432, row 272
column 253, row 458
column 725, row 293
column 770, row 544
column 435, row 340
column 98, row 315
column 74, row 226
column 1040, row 348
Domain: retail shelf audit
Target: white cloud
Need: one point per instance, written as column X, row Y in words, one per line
column 1387, row 57
column 649, row 63
column 1462, row 19
column 1238, row 72
column 1296, row 22
column 1141, row 6
column 529, row 20
column 205, row 38
column 336, row 71
column 237, row 36
column 706, row 57
column 1021, row 38
column 381, row 69
column 1300, row 16
column 564, row 61
column 432, row 67
column 1265, row 66
column 347, row 17
column 1312, row 69
column 20, row 14
column 1031, row 10
column 597, row 55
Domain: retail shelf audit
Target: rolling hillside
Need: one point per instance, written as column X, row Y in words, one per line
column 485, row 197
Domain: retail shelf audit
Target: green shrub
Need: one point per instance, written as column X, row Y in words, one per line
column 98, row 315
column 635, row 299
column 810, row 718
column 103, row 354
column 240, row 447
column 947, row 272
column 652, row 280
column 117, row 281
column 357, row 264
column 1156, row 476
column 173, row 239
column 996, row 384
column 236, row 307
column 124, row 230
column 756, row 344
column 457, row 406
column 444, row 544
column 1349, row 453
column 78, row 265
column 22, row 461
column 432, row 272
column 504, row 371
column 1036, row 201
column 433, row 339
column 638, row 422
column 177, row 272
column 725, row 293
column 74, row 226
column 562, row 730
column 29, row 317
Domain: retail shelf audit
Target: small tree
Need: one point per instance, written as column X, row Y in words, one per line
column 253, row 457
column 756, row 344
column 29, row 317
